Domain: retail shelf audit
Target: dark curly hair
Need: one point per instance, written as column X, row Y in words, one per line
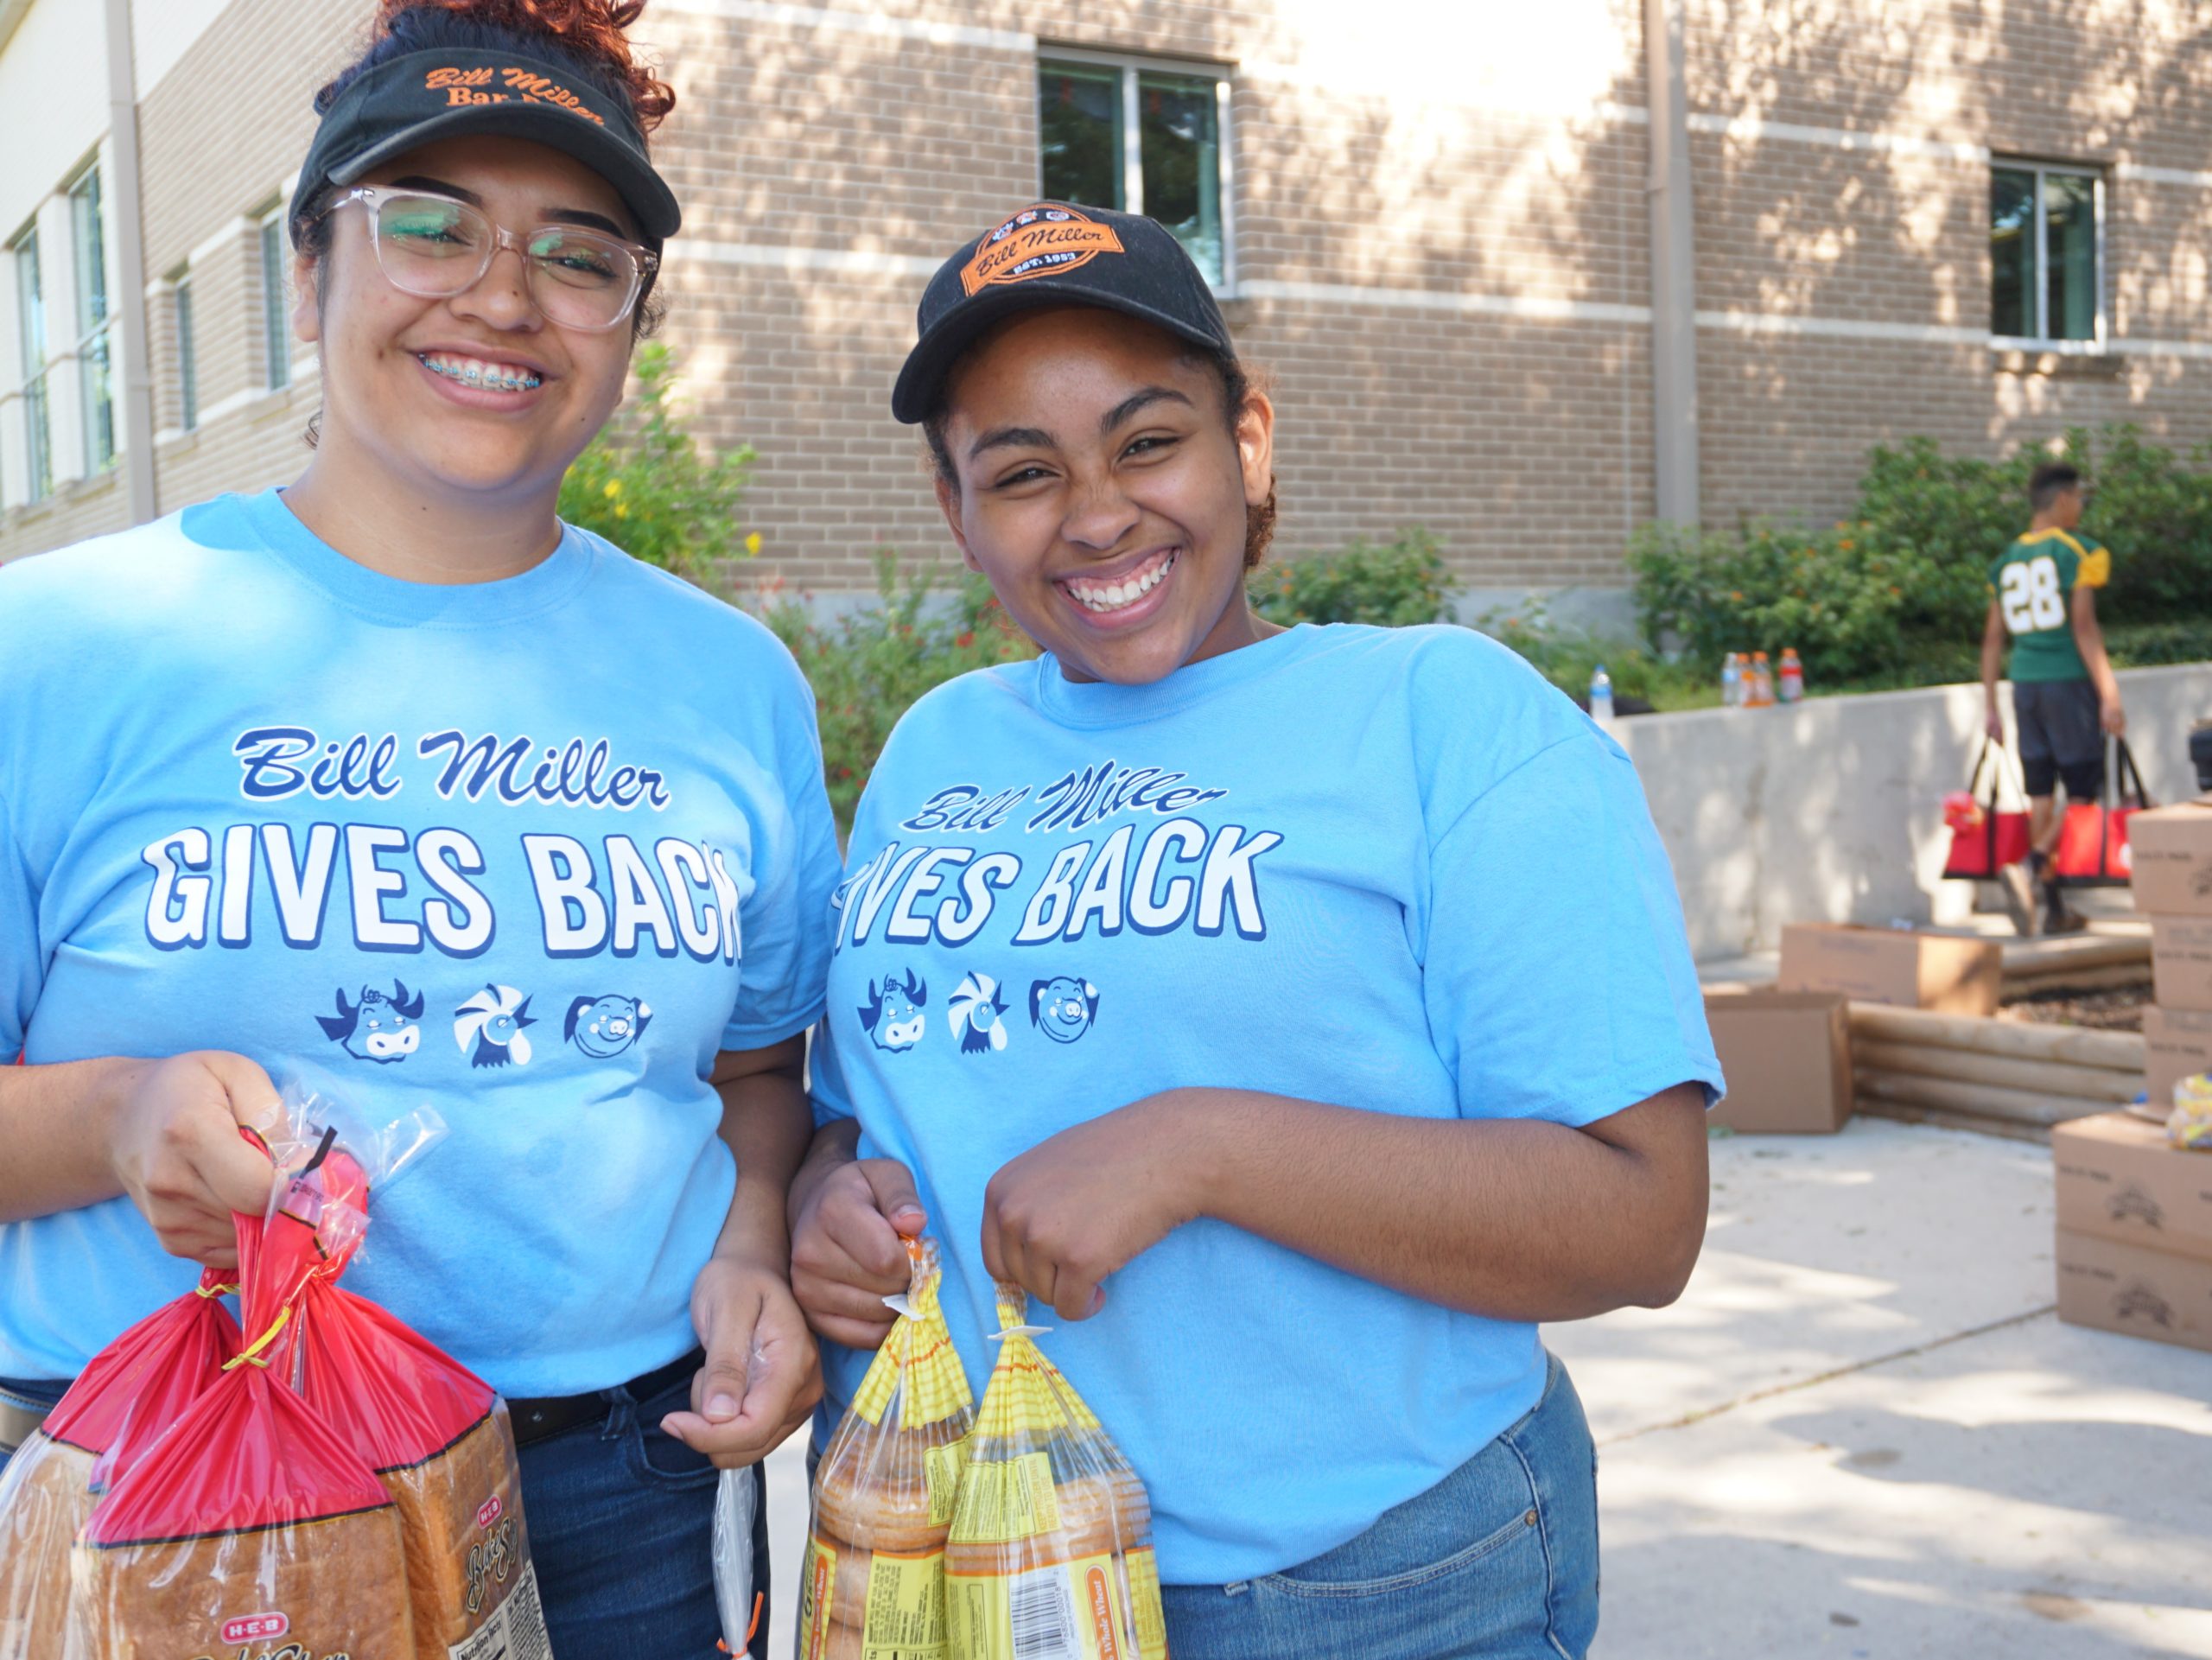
column 1237, row 389
column 585, row 36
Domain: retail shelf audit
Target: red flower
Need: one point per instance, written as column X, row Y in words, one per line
column 965, row 638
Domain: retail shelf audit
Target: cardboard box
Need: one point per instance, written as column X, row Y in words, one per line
column 2181, row 962
column 2119, row 1288
column 1944, row 972
column 2118, row 1178
column 1787, row 1056
column 2176, row 1044
column 2171, row 848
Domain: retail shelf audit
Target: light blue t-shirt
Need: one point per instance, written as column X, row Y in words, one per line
column 530, row 851
column 1383, row 868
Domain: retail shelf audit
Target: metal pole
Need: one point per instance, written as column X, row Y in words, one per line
column 136, row 372
column 1674, row 272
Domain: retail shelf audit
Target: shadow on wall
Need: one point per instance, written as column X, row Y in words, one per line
column 1832, row 811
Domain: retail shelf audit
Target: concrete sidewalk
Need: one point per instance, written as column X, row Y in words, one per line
column 1862, row 1433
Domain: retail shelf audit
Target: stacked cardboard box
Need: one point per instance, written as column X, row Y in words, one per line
column 2172, row 854
column 2134, row 1248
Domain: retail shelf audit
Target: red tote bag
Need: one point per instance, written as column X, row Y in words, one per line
column 2092, row 849
column 1984, row 838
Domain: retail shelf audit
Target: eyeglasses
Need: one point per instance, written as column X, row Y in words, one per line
column 435, row 247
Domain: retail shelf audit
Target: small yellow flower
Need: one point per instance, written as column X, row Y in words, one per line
column 752, row 543
column 621, row 511
column 614, row 488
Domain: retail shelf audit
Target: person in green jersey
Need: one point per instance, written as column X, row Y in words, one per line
column 2065, row 698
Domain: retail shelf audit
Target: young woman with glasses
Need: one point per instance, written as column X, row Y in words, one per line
column 393, row 772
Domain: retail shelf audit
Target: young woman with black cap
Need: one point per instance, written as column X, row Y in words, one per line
column 1317, row 1015
column 392, row 772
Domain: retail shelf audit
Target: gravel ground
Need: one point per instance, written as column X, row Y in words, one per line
column 2107, row 1009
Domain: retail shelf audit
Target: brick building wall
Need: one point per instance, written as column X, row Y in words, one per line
column 1440, row 246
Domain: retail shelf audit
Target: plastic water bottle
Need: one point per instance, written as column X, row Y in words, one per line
column 1792, row 685
column 1601, row 697
column 1732, row 681
column 1758, row 691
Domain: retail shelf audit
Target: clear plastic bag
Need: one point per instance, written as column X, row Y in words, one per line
column 132, row 1391
column 1050, row 1554
column 872, row 1586
column 251, row 1519
column 737, row 1502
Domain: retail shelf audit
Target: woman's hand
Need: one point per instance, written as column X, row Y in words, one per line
column 1069, row 1211
column 849, row 1244
column 763, row 1375
column 176, row 1148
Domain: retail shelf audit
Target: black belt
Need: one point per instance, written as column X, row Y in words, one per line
column 553, row 1415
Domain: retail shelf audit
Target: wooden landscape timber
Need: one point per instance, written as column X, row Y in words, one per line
column 2085, row 962
column 2001, row 1077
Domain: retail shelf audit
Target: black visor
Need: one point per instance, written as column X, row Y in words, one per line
column 425, row 96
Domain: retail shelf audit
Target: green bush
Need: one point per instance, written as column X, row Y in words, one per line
column 1402, row 580
column 1567, row 656
column 1902, row 586
column 1836, row 597
column 868, row 666
column 645, row 484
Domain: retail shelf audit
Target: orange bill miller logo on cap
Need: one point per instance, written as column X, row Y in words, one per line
column 1038, row 241
column 511, row 84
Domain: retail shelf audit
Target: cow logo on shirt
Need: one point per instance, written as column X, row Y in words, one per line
column 489, row 1027
column 892, row 1016
column 1062, row 1008
column 604, row 1026
column 380, row 1028
column 976, row 1013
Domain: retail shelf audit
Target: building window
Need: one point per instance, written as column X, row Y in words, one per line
column 30, row 326
column 96, row 391
column 187, row 362
column 1144, row 138
column 2046, row 233
column 275, row 334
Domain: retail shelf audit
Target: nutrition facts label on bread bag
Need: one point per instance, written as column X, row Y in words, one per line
column 516, row 1630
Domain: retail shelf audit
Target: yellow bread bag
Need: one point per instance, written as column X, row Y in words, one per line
column 872, row 1586
column 1050, row 1554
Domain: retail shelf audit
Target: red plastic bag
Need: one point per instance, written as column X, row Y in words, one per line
column 134, row 1389
column 2092, row 850
column 438, row 1437
column 1984, row 837
column 251, row 1519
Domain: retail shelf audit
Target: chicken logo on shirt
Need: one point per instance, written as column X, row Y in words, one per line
column 976, row 1013
column 1062, row 1008
column 489, row 1027
column 893, row 1016
column 379, row 1027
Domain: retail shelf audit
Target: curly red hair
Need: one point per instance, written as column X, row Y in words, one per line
column 591, row 31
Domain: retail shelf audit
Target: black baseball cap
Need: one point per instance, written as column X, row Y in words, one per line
column 420, row 97
column 1054, row 254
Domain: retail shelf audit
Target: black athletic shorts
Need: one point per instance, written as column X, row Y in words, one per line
column 2061, row 736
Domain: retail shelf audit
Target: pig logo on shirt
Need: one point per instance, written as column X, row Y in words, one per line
column 892, row 1015
column 976, row 1012
column 1062, row 1008
column 378, row 1027
column 604, row 1026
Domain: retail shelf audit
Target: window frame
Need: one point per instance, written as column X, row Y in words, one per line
column 93, row 344
column 25, row 254
column 188, row 357
column 1130, row 66
column 2039, row 275
column 270, row 247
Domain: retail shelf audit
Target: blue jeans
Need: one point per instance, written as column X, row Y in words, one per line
column 1499, row 1561
column 621, row 1531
